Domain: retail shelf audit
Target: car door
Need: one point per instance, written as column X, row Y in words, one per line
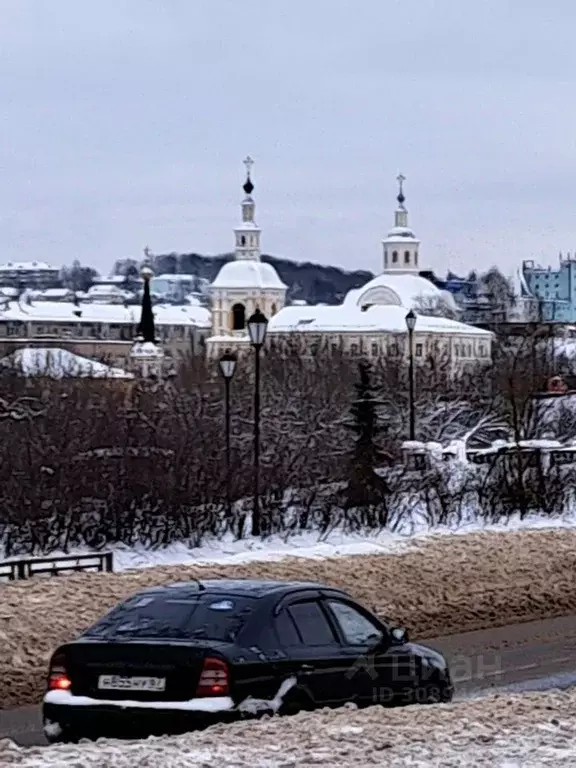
column 360, row 633
column 381, row 671
column 312, row 651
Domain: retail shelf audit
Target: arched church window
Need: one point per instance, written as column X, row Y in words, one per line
column 243, row 240
column 406, row 257
column 394, row 257
column 238, row 317
column 273, row 309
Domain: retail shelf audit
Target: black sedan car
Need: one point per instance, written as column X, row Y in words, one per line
column 182, row 656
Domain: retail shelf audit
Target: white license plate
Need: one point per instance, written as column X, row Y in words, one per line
column 121, row 683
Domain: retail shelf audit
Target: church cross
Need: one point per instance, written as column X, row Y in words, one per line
column 401, row 179
column 248, row 163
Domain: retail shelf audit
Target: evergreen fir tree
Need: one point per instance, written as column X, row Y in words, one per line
column 365, row 486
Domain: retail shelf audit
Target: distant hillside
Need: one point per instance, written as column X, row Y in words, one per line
column 313, row 283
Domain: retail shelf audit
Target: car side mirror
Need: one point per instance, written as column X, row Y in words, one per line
column 399, row 635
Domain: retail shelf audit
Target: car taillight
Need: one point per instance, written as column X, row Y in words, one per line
column 214, row 678
column 58, row 679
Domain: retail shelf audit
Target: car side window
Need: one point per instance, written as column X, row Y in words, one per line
column 356, row 628
column 286, row 629
column 312, row 623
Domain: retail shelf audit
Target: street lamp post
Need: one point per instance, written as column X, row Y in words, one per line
column 227, row 368
column 257, row 326
column 410, row 325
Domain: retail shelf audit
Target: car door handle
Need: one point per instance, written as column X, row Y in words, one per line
column 306, row 668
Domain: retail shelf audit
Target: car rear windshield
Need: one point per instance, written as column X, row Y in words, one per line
column 202, row 616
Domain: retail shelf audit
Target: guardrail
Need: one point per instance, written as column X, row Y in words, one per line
column 26, row 568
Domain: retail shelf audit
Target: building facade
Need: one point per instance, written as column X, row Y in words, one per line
column 97, row 330
column 553, row 290
column 31, row 274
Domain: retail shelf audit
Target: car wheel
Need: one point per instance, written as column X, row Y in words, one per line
column 297, row 700
column 57, row 734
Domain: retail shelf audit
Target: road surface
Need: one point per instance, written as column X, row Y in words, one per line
column 532, row 656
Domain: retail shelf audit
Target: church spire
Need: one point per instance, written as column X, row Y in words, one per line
column 401, row 214
column 401, row 245
column 248, row 233
column 146, row 330
column 248, row 186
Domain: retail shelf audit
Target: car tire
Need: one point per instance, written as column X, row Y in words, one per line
column 66, row 736
column 297, row 700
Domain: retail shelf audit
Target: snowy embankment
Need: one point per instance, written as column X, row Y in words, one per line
column 500, row 732
column 228, row 550
column 442, row 585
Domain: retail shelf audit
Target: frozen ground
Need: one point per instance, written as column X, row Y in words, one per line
column 228, row 551
column 500, row 732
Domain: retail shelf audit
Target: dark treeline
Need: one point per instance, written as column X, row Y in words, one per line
column 90, row 463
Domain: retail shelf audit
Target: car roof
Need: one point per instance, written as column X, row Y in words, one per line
column 248, row 587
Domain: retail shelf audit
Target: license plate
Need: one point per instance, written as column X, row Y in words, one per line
column 121, row 683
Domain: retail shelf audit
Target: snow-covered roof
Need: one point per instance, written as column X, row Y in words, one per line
column 65, row 311
column 245, row 273
column 59, row 363
column 27, row 266
column 401, row 235
column 8, row 291
column 146, row 349
column 402, row 289
column 375, row 319
column 247, row 226
column 53, row 293
column 233, row 341
column 180, row 278
column 118, row 279
column 105, row 290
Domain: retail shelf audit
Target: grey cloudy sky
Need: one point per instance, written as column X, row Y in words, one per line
column 124, row 123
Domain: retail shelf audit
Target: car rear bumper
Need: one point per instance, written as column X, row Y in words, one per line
column 82, row 716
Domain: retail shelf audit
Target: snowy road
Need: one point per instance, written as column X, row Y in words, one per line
column 533, row 656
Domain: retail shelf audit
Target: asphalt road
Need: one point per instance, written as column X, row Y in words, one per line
column 533, row 656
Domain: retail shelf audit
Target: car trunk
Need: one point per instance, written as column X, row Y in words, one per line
column 179, row 665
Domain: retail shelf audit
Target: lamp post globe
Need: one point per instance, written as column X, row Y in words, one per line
column 228, row 364
column 411, row 320
column 257, row 327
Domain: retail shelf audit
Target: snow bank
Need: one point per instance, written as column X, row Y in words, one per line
column 228, row 550
column 445, row 584
column 501, row 731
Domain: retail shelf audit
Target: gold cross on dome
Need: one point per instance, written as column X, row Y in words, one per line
column 248, row 163
column 400, row 179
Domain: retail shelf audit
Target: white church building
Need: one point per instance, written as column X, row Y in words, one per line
column 369, row 323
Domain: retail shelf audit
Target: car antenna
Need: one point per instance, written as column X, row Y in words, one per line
column 201, row 587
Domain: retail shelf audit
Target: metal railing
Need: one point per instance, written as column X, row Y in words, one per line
column 27, row 568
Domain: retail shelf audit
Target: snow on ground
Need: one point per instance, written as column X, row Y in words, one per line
column 230, row 551
column 499, row 731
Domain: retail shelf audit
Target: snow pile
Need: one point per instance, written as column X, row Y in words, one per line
column 446, row 584
column 58, row 363
column 501, row 731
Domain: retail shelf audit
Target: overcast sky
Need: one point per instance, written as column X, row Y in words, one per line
column 124, row 123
